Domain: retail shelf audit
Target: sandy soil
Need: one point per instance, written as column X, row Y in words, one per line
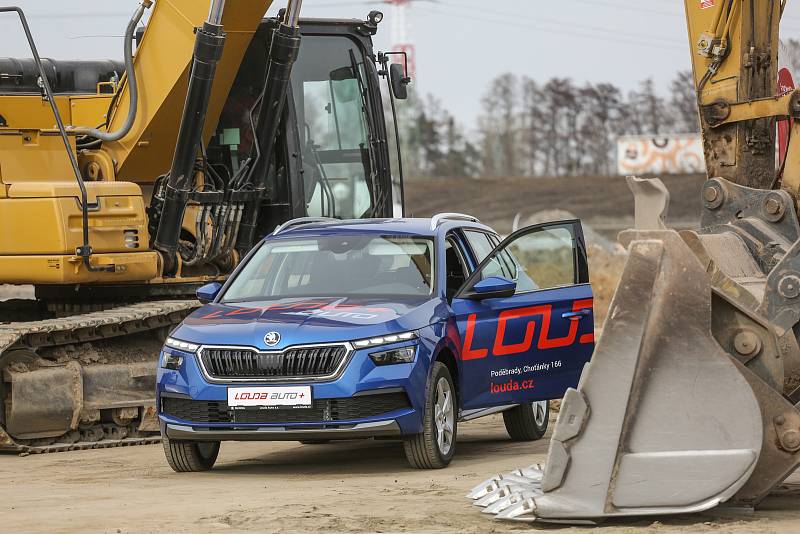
column 603, row 202
column 288, row 487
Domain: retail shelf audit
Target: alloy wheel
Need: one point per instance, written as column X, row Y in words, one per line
column 444, row 416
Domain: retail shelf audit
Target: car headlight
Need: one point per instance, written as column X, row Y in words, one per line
column 171, row 361
column 385, row 340
column 394, row 356
column 185, row 346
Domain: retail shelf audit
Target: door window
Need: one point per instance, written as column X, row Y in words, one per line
column 480, row 243
column 538, row 257
column 482, row 246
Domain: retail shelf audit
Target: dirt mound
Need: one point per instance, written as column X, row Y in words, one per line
column 605, row 270
column 592, row 237
column 8, row 292
column 603, row 202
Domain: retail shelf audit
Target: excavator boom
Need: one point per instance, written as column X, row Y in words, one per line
column 691, row 397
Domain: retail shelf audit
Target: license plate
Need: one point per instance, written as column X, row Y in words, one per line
column 270, row 396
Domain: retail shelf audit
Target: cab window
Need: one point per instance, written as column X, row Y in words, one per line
column 328, row 85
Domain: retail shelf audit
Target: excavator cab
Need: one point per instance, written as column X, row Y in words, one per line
column 329, row 163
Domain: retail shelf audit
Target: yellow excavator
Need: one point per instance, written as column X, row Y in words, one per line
column 125, row 186
column 692, row 397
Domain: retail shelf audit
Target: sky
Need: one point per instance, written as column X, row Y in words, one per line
column 461, row 44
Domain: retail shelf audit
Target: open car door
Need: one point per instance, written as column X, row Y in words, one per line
column 525, row 318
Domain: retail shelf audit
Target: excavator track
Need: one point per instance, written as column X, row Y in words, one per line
column 55, row 359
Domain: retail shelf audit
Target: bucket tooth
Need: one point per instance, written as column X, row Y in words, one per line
column 528, row 474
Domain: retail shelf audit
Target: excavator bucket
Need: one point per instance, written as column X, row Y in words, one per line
column 682, row 406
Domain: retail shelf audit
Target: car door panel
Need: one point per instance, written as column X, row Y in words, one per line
column 533, row 345
column 517, row 350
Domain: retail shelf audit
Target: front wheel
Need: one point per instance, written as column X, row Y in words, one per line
column 190, row 456
column 527, row 422
column 435, row 446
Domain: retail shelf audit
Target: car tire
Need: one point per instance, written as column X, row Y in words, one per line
column 314, row 441
column 527, row 422
column 190, row 456
column 435, row 446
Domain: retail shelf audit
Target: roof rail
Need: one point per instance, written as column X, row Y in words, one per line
column 301, row 221
column 438, row 219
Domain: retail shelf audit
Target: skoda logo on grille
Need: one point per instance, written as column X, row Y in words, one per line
column 272, row 339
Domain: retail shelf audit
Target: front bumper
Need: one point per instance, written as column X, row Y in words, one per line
column 377, row 429
column 335, row 403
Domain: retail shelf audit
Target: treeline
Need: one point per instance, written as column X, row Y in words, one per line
column 529, row 128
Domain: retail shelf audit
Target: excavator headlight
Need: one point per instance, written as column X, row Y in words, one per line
column 375, row 17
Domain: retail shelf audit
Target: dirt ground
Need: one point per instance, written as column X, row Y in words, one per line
column 603, row 202
column 358, row 487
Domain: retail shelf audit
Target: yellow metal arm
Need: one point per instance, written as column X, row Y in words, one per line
column 162, row 62
column 735, row 64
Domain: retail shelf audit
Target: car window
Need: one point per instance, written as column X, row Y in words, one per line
column 540, row 257
column 547, row 256
column 480, row 244
column 337, row 266
column 483, row 245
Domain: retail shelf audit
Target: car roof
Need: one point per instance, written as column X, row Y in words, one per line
column 400, row 226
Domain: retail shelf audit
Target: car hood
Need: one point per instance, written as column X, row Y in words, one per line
column 305, row 321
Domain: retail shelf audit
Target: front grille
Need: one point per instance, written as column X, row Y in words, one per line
column 321, row 410
column 248, row 363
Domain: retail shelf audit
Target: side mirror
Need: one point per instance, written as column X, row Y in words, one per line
column 494, row 287
column 399, row 81
column 208, row 292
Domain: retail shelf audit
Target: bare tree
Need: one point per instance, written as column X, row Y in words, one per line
column 499, row 126
column 683, row 103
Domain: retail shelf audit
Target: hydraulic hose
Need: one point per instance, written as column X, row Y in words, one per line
column 208, row 47
column 132, row 85
column 284, row 49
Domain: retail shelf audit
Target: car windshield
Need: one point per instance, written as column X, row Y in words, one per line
column 342, row 266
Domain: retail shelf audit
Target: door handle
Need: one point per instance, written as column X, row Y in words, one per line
column 576, row 315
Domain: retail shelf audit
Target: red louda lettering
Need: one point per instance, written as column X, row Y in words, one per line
column 544, row 342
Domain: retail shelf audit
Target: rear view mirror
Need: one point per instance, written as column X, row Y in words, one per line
column 399, row 81
column 494, row 287
column 208, row 292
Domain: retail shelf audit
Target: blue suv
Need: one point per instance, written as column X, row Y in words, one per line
column 386, row 329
